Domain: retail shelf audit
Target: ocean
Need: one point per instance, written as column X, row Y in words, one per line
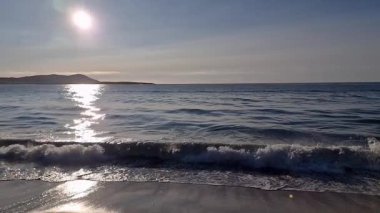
column 306, row 137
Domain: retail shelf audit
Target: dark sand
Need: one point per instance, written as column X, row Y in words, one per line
column 91, row 196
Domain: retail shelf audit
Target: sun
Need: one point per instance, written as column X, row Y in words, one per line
column 82, row 20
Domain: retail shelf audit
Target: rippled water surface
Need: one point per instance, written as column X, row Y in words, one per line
column 272, row 136
column 261, row 113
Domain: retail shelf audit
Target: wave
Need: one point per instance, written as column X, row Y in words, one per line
column 281, row 134
column 277, row 111
column 194, row 111
column 9, row 107
column 32, row 118
column 331, row 159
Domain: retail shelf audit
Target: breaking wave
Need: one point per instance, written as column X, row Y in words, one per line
column 326, row 159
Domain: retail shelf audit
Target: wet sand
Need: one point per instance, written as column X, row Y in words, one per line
column 92, row 196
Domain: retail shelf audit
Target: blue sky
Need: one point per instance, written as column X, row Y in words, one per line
column 197, row 41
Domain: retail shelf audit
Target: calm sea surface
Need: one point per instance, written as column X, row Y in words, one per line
column 270, row 136
column 260, row 114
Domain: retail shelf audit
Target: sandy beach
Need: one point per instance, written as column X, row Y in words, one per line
column 92, row 196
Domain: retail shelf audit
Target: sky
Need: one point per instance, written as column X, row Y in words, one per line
column 194, row 41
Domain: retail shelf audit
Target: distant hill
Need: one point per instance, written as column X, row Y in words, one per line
column 50, row 79
column 58, row 79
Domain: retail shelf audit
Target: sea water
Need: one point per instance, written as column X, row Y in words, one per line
column 313, row 137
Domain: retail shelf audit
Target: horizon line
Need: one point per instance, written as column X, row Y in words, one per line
column 205, row 83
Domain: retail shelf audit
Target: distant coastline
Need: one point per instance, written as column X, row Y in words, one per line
column 61, row 79
column 83, row 79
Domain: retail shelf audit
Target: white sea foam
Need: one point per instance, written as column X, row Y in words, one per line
column 247, row 157
column 50, row 154
column 294, row 158
column 374, row 145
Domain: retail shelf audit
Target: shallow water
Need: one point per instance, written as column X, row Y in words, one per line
column 272, row 136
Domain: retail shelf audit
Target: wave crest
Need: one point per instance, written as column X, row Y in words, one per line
column 282, row 157
column 50, row 154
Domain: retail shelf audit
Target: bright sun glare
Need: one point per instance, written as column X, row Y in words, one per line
column 82, row 19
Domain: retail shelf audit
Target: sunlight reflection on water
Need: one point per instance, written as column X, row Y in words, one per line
column 69, row 193
column 78, row 188
column 78, row 207
column 85, row 97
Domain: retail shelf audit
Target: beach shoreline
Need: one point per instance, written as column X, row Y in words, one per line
column 94, row 196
